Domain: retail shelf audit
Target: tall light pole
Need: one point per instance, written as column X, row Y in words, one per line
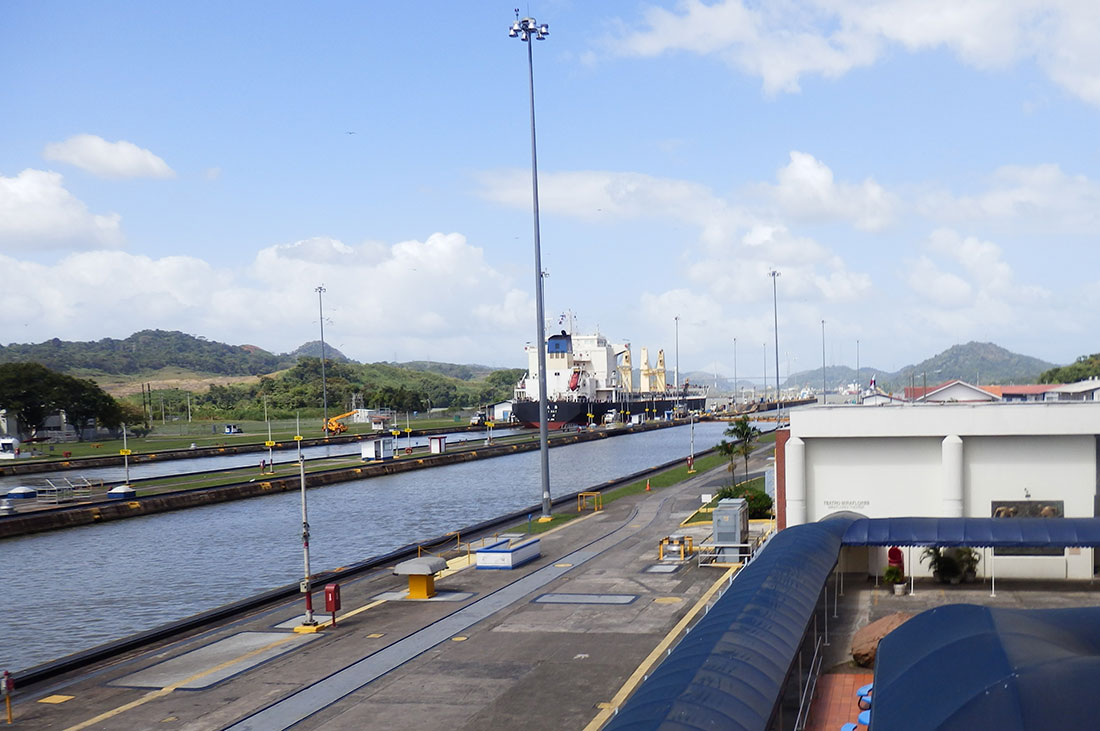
column 859, row 383
column 306, row 586
column 765, row 372
column 774, row 274
column 525, row 29
column 735, row 371
column 676, row 372
column 324, row 387
column 824, row 399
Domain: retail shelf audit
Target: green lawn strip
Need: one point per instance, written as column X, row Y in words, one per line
column 669, row 477
column 768, row 438
column 703, row 514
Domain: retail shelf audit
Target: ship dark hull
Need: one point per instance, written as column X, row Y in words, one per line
column 560, row 413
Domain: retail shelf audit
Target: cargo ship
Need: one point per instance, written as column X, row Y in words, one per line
column 590, row 380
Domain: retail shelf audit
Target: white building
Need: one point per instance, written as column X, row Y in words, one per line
column 1088, row 390
column 947, row 460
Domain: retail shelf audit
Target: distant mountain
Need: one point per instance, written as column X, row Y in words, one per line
column 974, row 362
column 153, row 350
column 312, row 349
column 148, row 350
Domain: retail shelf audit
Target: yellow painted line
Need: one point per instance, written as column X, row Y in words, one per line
column 56, row 698
column 668, row 600
column 563, row 565
column 459, row 638
column 151, row 696
column 375, row 635
column 636, row 677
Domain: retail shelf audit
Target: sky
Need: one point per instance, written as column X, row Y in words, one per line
column 921, row 173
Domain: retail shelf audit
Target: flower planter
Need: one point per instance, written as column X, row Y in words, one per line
column 899, row 589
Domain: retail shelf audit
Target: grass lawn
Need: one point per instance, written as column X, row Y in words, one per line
column 702, row 515
column 672, row 476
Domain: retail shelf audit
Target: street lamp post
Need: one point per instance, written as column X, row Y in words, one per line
column 324, row 388
column 824, row 398
column 525, row 29
column 735, row 372
column 305, row 586
column 774, row 274
column 676, row 372
column 859, row 383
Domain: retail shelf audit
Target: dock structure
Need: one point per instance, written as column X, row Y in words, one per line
column 549, row 644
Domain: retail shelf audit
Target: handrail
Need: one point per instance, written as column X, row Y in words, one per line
column 806, row 700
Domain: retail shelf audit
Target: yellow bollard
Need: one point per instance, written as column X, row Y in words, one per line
column 422, row 587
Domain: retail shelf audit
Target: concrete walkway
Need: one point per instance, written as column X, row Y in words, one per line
column 493, row 650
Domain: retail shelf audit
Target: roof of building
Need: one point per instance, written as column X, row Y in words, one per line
column 1026, row 389
column 1085, row 386
column 730, row 669
column 963, row 666
column 974, row 532
column 974, row 393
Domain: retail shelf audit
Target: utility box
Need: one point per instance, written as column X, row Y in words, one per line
column 437, row 444
column 731, row 525
column 374, row 450
column 332, row 598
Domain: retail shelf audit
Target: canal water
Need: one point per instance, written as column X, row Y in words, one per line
column 72, row 589
column 117, row 473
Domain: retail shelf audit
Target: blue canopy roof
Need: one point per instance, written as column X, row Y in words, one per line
column 728, row 672
column 963, row 666
column 974, row 532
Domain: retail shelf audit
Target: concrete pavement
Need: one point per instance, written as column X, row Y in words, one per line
column 542, row 646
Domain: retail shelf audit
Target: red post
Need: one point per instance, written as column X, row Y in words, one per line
column 7, row 687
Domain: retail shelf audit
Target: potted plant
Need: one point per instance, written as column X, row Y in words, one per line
column 968, row 559
column 893, row 575
column 953, row 565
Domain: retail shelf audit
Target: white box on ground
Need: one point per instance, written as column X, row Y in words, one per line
column 503, row 555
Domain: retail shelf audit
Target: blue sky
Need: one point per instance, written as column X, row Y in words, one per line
column 921, row 174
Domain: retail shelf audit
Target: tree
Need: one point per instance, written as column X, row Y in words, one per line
column 83, row 400
column 33, row 392
column 746, row 435
column 727, row 450
column 25, row 390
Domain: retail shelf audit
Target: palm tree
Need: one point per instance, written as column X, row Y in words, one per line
column 727, row 450
column 745, row 435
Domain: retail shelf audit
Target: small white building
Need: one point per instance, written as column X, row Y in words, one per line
column 501, row 413
column 9, row 447
column 947, row 460
column 958, row 392
column 1088, row 390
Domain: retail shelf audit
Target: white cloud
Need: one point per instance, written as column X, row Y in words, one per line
column 36, row 211
column 597, row 194
column 806, row 190
column 1038, row 198
column 438, row 297
column 785, row 41
column 105, row 159
column 980, row 296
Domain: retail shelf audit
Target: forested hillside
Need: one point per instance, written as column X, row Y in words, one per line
column 148, row 350
column 1086, row 366
column 350, row 385
column 973, row 362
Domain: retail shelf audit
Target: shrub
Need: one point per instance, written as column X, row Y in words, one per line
column 760, row 504
column 893, row 575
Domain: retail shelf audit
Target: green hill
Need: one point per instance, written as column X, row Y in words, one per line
column 973, row 362
column 154, row 350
